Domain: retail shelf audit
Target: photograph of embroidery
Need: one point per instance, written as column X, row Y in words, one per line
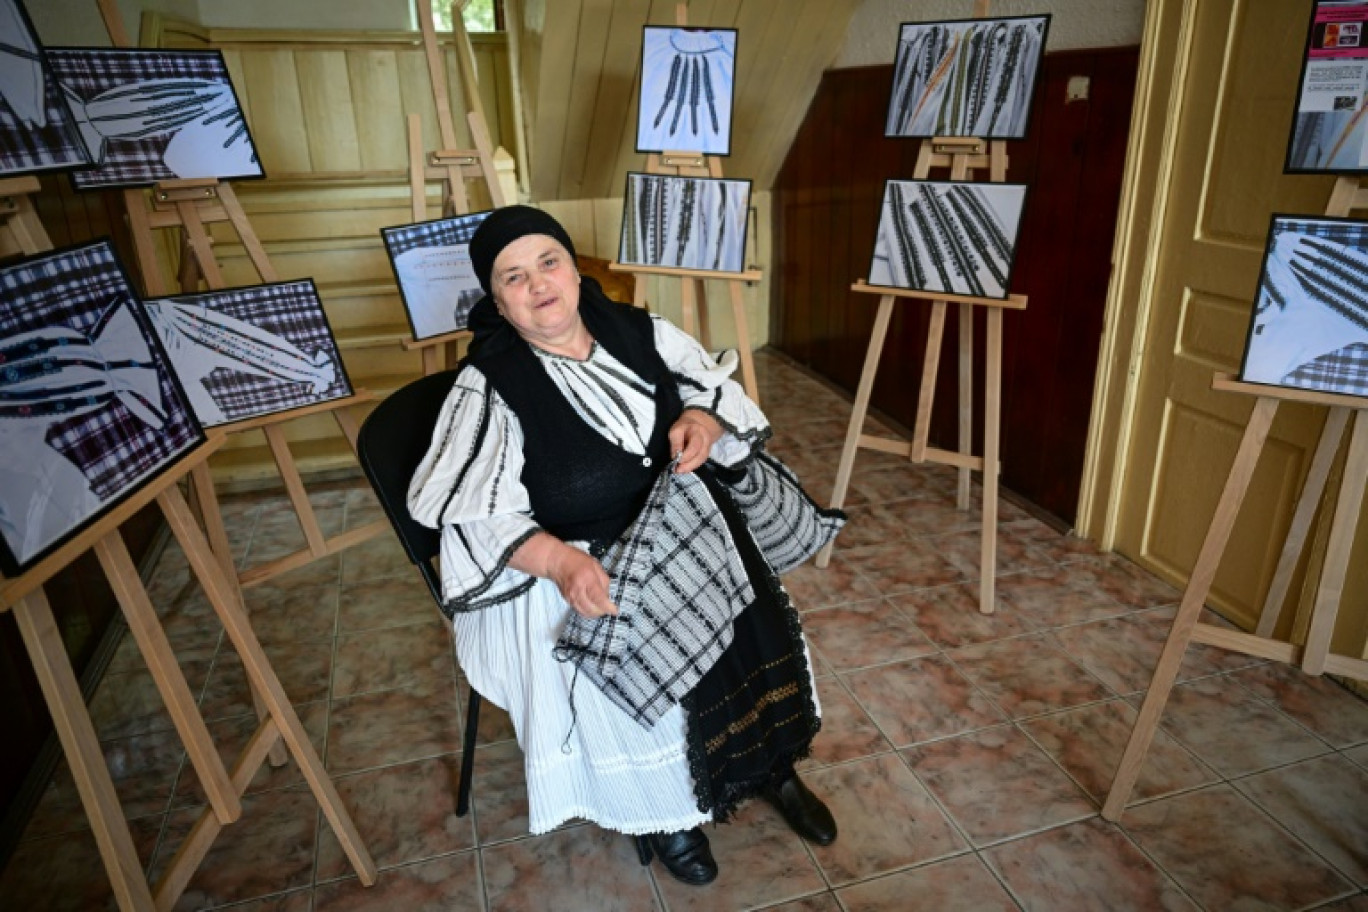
column 690, row 222
column 150, row 116
column 1310, row 325
column 1328, row 126
column 245, row 352
column 974, row 77
column 431, row 262
column 687, row 77
column 948, row 236
column 89, row 409
column 37, row 132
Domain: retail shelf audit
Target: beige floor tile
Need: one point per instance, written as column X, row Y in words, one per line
column 959, row 884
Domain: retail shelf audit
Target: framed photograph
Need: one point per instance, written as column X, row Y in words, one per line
column 689, row 222
column 37, row 132
column 948, row 236
column 246, row 352
column 1328, row 132
column 91, row 408
column 688, row 76
column 431, row 262
column 970, row 77
column 154, row 115
column 1310, row 324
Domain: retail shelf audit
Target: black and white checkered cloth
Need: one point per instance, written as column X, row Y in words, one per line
column 129, row 161
column 446, row 232
column 1353, row 233
column 1342, row 371
column 678, row 583
column 290, row 310
column 28, row 147
column 75, row 288
column 788, row 526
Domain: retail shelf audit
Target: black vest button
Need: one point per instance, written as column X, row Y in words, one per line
column 646, row 461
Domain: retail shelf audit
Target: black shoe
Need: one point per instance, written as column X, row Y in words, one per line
column 685, row 854
column 803, row 811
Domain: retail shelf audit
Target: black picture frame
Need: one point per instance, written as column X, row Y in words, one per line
column 444, row 234
column 1309, row 129
column 38, row 133
column 685, row 238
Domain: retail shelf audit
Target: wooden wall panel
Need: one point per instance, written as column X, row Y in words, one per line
column 826, row 205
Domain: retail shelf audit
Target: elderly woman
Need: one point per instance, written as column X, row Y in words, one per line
column 612, row 534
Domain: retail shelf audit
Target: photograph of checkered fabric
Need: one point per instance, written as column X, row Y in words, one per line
column 431, row 263
column 1310, row 325
column 246, row 352
column 150, row 116
column 37, row 132
column 90, row 409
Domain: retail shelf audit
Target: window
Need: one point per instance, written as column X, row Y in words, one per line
column 479, row 15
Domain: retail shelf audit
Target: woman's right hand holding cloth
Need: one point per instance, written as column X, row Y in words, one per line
column 581, row 579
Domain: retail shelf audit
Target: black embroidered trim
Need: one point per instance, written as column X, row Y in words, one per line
column 467, row 604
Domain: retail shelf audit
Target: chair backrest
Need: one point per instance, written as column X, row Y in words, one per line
column 390, row 445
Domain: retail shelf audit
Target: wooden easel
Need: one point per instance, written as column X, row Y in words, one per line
column 692, row 292
column 23, row 231
column 450, row 165
column 1314, row 655
column 24, row 596
column 962, row 156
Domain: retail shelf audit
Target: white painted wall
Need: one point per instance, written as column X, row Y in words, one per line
column 873, row 35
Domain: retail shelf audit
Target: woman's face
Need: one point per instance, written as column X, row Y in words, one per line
column 536, row 285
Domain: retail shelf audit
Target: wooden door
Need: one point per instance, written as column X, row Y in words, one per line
column 1235, row 65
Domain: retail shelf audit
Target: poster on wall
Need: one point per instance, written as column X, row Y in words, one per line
column 89, row 407
column 688, row 222
column 154, row 115
column 431, row 262
column 948, row 236
column 37, row 132
column 246, row 352
column 1328, row 133
column 687, row 79
column 1310, row 324
column 971, row 77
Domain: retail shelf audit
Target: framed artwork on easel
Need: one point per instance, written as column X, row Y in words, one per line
column 971, row 77
column 37, row 131
column 431, row 262
column 1310, row 323
column 688, row 76
column 948, row 236
column 90, row 407
column 1328, row 126
column 685, row 222
column 155, row 115
column 247, row 352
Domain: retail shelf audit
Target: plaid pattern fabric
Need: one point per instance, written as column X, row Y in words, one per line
column 1353, row 233
column 24, row 146
column 74, row 288
column 678, row 583
column 290, row 310
column 788, row 526
column 1342, row 371
column 447, row 232
column 130, row 160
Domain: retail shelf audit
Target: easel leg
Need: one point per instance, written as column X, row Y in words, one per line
column 82, row 748
column 704, row 321
column 264, row 679
column 1194, row 597
column 1331, row 434
column 966, row 400
column 857, row 414
column 688, row 307
column 926, row 395
column 992, row 416
column 1331, row 589
column 743, row 343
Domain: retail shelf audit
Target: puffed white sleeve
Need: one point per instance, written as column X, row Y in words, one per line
column 468, row 487
column 705, row 384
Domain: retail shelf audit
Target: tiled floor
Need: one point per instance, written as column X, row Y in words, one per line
column 965, row 756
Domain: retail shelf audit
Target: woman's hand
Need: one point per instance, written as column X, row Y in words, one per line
column 692, row 437
column 582, row 581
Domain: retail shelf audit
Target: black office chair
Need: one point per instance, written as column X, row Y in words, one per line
column 390, row 445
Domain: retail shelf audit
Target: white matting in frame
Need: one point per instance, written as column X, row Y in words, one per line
column 948, row 236
column 247, row 352
column 971, row 77
column 154, row 115
column 686, row 222
column 688, row 76
column 1310, row 323
column 431, row 262
column 37, row 132
column 90, row 410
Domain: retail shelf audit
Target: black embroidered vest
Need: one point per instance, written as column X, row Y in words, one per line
column 582, row 486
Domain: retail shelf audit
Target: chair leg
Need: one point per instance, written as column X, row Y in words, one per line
column 643, row 847
column 468, row 754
